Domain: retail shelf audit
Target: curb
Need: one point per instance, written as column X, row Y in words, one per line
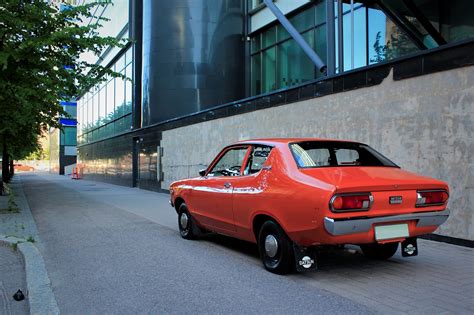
column 41, row 299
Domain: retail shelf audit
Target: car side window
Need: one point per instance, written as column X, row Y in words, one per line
column 230, row 163
column 257, row 158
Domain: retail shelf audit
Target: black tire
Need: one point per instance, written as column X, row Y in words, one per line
column 186, row 225
column 379, row 251
column 280, row 261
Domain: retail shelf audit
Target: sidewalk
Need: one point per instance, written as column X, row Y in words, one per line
column 21, row 264
column 12, row 279
column 12, row 268
column 19, row 222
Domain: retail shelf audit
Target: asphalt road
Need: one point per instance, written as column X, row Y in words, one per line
column 105, row 254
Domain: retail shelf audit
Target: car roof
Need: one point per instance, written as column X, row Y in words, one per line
column 275, row 141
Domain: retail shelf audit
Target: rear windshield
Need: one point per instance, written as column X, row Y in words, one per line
column 332, row 153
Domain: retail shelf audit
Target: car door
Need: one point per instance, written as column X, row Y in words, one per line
column 212, row 196
column 248, row 190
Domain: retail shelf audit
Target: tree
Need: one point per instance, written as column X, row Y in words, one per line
column 379, row 49
column 40, row 65
column 398, row 45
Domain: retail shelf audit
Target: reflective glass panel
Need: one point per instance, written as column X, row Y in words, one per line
column 294, row 67
column 119, row 97
column 128, row 90
column 110, row 100
column 269, row 37
column 256, row 74
column 269, row 71
column 102, row 105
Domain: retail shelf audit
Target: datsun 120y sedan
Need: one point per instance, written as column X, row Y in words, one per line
column 294, row 196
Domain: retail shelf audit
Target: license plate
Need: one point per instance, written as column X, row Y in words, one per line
column 386, row 232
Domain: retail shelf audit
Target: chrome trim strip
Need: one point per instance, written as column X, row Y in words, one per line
column 351, row 226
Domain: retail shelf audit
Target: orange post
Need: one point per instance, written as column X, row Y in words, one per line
column 75, row 174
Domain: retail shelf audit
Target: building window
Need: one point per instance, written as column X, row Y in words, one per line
column 371, row 33
column 255, row 4
column 277, row 61
column 106, row 110
column 68, row 136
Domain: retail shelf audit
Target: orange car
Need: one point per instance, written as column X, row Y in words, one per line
column 21, row 167
column 293, row 196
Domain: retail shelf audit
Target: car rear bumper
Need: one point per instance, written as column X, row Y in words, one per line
column 338, row 227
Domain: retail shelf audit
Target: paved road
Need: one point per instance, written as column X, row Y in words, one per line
column 116, row 249
column 102, row 259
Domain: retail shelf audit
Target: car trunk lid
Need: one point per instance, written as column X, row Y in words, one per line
column 393, row 189
column 362, row 179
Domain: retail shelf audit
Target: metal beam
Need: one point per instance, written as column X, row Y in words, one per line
column 340, row 36
column 331, row 38
column 425, row 22
column 404, row 25
column 318, row 62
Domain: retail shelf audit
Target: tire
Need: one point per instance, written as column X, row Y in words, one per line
column 278, row 259
column 379, row 251
column 186, row 225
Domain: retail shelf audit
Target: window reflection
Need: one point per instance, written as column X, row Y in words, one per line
column 106, row 109
column 372, row 32
column 278, row 62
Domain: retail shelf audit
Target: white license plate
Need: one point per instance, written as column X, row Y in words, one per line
column 386, row 232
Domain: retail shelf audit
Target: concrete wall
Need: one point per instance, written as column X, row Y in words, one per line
column 424, row 124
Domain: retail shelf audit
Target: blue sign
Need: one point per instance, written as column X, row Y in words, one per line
column 68, row 122
column 66, row 103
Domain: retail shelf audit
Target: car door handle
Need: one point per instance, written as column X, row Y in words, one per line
column 227, row 185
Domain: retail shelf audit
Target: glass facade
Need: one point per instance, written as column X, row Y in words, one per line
column 117, row 15
column 68, row 136
column 253, row 4
column 372, row 32
column 276, row 59
column 106, row 110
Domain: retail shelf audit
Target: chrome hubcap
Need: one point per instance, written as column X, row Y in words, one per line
column 183, row 220
column 271, row 246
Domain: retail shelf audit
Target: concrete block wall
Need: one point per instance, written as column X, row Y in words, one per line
column 424, row 124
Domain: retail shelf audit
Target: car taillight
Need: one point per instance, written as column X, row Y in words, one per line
column 351, row 202
column 431, row 198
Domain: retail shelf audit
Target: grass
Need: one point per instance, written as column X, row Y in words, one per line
column 12, row 207
column 14, row 246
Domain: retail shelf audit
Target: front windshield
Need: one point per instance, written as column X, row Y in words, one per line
column 333, row 153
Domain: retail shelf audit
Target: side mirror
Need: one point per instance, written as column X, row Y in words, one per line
column 202, row 172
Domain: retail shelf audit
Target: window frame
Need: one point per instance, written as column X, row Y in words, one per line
column 244, row 164
column 253, row 146
column 224, row 152
column 261, row 50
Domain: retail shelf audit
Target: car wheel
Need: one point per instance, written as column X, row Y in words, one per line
column 275, row 248
column 379, row 251
column 187, row 228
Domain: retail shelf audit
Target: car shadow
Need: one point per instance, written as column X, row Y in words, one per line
column 244, row 247
column 329, row 258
